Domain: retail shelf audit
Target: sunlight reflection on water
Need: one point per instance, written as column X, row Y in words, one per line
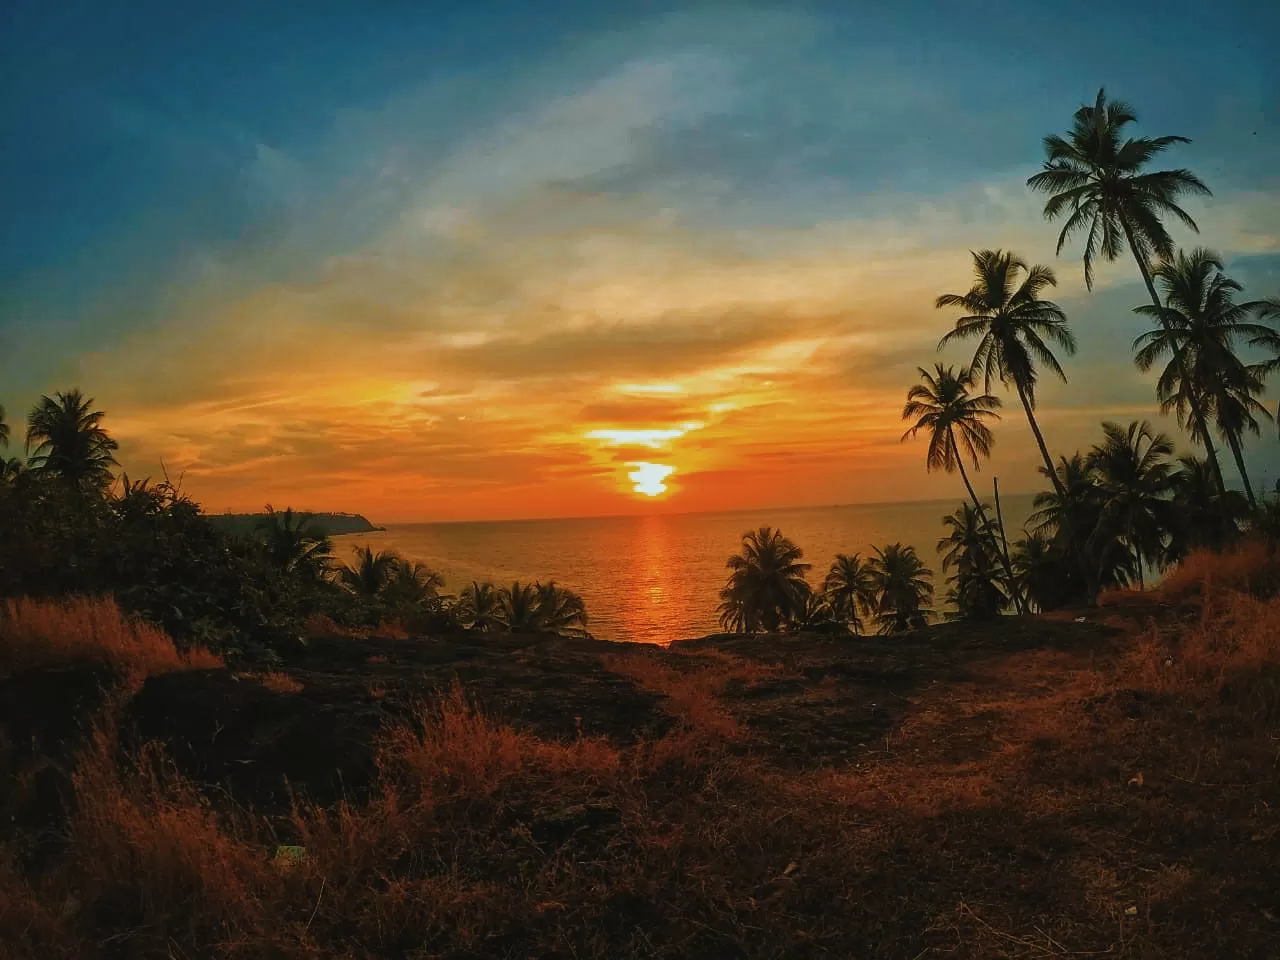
column 655, row 578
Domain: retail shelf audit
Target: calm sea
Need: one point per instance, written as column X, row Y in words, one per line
column 656, row 578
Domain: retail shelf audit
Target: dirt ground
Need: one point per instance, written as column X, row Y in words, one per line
column 971, row 790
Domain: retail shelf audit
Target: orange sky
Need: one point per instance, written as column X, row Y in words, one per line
column 714, row 252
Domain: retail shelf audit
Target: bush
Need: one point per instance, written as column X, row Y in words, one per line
column 89, row 630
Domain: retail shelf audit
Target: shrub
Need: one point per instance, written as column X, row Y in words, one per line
column 89, row 630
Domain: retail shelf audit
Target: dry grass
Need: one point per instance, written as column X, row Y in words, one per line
column 276, row 681
column 88, row 630
column 1251, row 567
column 319, row 627
column 1003, row 815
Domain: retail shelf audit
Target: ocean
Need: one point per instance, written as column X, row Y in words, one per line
column 656, row 578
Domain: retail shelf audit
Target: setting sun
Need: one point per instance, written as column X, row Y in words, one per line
column 648, row 477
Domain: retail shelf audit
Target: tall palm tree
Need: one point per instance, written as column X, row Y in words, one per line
column 1096, row 178
column 766, row 585
column 1134, row 474
column 970, row 548
column 70, row 441
column 518, row 608
column 294, row 544
column 1014, row 327
column 560, row 610
column 849, row 589
column 372, row 572
column 480, row 606
column 1197, row 329
column 956, row 423
column 903, row 588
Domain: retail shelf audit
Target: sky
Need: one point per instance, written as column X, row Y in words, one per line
column 485, row 260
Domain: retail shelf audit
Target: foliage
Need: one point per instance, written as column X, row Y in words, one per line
column 70, row 441
column 294, row 544
column 1133, row 475
column 978, row 590
column 903, row 590
column 480, row 605
column 766, row 587
column 1096, row 179
column 849, row 589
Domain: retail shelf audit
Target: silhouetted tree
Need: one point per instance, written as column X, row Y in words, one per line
column 849, row 589
column 817, row 616
column 70, row 441
column 372, row 572
column 970, row 549
column 1096, row 178
column 1197, row 329
column 560, row 610
column 766, row 586
column 1014, row 327
column 1043, row 570
column 480, row 606
column 518, row 608
column 955, row 421
column 293, row 542
column 1133, row 470
column 4, row 429
column 1205, row 516
column 903, row 588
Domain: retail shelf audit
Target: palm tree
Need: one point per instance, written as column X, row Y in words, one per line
column 1206, row 515
column 902, row 587
column 480, row 606
column 955, row 421
column 849, row 590
column 560, row 610
column 972, row 551
column 519, row 609
column 4, row 429
column 1096, row 178
column 1197, row 329
column 1236, row 408
column 294, row 543
column 766, row 585
column 413, row 582
column 1042, row 569
column 371, row 573
column 1070, row 518
column 1014, row 327
column 70, row 441
column 1134, row 478
column 816, row 615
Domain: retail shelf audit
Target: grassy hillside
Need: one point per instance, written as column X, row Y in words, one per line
column 1102, row 783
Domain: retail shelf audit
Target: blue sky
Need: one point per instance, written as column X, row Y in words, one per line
column 279, row 241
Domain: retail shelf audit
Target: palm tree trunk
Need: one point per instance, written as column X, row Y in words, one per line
column 1085, row 567
column 977, row 505
column 1234, row 442
column 1197, row 408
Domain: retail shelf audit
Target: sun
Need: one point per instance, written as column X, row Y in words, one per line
column 648, row 477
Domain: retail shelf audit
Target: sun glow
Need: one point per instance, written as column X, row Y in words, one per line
column 643, row 438
column 648, row 477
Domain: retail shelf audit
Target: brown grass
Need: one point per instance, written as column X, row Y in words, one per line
column 1251, row 567
column 88, row 630
column 276, row 681
column 1048, row 802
